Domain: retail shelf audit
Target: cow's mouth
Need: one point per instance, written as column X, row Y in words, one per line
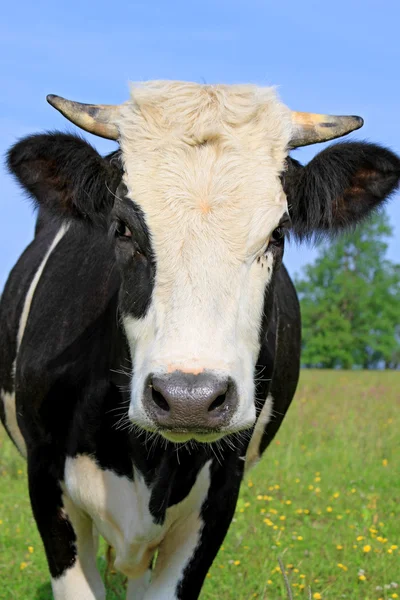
column 180, row 436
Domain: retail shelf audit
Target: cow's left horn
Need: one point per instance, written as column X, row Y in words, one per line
column 310, row 128
column 99, row 119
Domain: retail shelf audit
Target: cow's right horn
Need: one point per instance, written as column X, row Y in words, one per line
column 99, row 119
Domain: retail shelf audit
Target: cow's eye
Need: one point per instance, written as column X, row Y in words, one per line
column 122, row 231
column 277, row 237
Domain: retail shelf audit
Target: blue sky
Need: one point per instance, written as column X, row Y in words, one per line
column 340, row 58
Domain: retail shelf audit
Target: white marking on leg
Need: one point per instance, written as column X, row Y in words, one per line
column 73, row 585
column 137, row 588
column 179, row 545
column 82, row 580
column 253, row 450
column 11, row 421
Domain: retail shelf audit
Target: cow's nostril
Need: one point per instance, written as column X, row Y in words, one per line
column 219, row 401
column 159, row 400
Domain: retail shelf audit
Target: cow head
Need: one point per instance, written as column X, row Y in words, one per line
column 199, row 202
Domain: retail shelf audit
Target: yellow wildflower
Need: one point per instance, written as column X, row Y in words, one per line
column 367, row 548
column 236, row 562
column 329, row 509
column 23, row 566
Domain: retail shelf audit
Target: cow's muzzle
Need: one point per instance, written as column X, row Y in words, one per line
column 184, row 404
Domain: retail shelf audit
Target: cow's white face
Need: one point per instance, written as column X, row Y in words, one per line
column 203, row 165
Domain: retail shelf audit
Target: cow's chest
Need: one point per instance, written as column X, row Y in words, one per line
column 119, row 508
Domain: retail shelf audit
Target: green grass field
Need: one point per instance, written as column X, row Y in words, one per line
column 325, row 498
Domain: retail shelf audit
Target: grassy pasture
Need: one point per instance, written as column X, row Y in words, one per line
column 325, row 498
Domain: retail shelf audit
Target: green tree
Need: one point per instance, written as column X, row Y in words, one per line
column 350, row 301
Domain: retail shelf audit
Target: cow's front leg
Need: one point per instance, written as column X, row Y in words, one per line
column 189, row 549
column 137, row 588
column 67, row 534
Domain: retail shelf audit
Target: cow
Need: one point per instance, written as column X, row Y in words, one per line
column 150, row 334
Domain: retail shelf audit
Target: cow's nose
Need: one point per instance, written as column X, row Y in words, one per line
column 186, row 402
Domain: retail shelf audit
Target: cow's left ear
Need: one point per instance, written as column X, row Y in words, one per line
column 339, row 187
column 65, row 175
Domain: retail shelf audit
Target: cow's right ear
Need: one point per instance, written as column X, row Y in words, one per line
column 65, row 175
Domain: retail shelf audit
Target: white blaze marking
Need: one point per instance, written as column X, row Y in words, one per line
column 253, row 450
column 203, row 164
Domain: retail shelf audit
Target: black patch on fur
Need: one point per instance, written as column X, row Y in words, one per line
column 135, row 257
column 339, row 187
